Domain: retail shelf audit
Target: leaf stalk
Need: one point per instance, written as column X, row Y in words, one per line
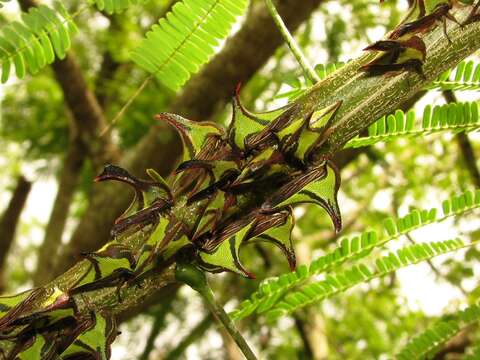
column 196, row 279
column 292, row 44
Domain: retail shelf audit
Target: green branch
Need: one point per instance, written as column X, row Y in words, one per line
column 292, row 44
column 366, row 99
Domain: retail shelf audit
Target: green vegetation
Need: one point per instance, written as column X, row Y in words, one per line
column 360, row 167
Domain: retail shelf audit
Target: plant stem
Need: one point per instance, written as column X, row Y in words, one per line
column 196, row 279
column 220, row 314
column 292, row 44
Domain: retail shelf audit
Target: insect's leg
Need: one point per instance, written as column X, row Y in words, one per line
column 421, row 8
column 17, row 305
column 117, row 278
column 474, row 15
column 414, row 65
column 444, row 23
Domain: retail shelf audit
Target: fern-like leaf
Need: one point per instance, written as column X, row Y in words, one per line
column 358, row 274
column 34, row 42
column 427, row 344
column 300, row 85
column 114, row 6
column 454, row 117
column 186, row 38
column 353, row 248
column 466, row 77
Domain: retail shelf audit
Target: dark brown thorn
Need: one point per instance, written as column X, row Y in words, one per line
column 193, row 164
column 116, row 173
column 383, row 45
column 224, row 181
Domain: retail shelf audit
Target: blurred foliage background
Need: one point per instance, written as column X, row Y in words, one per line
column 372, row 321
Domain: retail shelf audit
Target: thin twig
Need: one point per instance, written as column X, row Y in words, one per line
column 292, row 44
column 125, row 107
column 196, row 279
column 227, row 323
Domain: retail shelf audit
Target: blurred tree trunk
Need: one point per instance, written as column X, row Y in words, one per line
column 465, row 146
column 469, row 158
column 86, row 111
column 47, row 254
column 197, row 333
column 9, row 221
column 87, row 120
column 311, row 323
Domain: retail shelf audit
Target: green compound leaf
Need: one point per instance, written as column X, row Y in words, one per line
column 466, row 76
column 114, row 6
column 28, row 46
column 335, row 283
column 429, row 342
column 186, row 38
column 352, row 248
column 454, row 117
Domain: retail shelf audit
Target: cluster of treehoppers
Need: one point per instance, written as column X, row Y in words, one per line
column 404, row 50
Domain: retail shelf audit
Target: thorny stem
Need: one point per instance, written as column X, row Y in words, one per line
column 292, row 44
column 196, row 279
column 365, row 99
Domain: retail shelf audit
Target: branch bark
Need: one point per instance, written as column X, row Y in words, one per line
column 468, row 155
column 243, row 55
column 366, row 99
column 10, row 219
